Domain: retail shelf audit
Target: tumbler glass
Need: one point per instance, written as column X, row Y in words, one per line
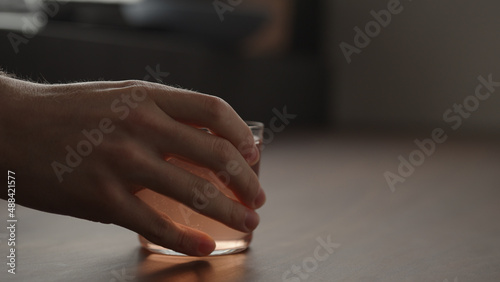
column 227, row 240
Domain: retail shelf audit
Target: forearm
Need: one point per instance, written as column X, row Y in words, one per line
column 14, row 110
column 7, row 97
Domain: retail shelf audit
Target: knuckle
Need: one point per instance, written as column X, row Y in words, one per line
column 158, row 227
column 122, row 150
column 105, row 147
column 216, row 108
column 109, row 194
column 182, row 240
column 138, row 90
column 126, row 155
column 223, row 149
column 138, row 118
column 133, row 83
column 251, row 187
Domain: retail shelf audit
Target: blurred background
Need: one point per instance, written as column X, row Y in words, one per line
column 259, row 55
column 370, row 76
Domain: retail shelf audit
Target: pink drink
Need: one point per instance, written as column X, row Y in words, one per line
column 227, row 240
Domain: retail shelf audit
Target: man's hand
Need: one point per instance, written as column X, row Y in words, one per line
column 85, row 149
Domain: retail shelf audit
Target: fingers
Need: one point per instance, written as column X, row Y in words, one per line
column 224, row 159
column 161, row 230
column 207, row 111
column 145, row 168
column 171, row 138
column 166, row 129
column 153, row 172
column 213, row 152
column 199, row 194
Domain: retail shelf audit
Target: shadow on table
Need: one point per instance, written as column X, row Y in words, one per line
column 156, row 267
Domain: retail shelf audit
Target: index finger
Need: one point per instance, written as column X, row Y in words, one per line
column 204, row 110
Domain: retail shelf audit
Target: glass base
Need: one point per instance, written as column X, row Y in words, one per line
column 222, row 247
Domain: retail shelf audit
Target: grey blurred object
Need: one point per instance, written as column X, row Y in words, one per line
column 195, row 17
column 19, row 5
column 12, row 13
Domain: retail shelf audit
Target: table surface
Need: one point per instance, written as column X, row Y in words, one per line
column 441, row 224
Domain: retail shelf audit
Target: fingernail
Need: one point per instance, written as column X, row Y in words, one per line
column 253, row 157
column 260, row 199
column 206, row 247
column 251, row 220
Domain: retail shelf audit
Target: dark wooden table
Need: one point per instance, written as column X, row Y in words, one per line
column 441, row 224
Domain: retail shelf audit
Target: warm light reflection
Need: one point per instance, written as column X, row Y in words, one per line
column 155, row 267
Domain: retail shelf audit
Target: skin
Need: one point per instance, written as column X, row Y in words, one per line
column 38, row 122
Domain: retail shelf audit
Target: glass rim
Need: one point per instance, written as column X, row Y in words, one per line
column 254, row 124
